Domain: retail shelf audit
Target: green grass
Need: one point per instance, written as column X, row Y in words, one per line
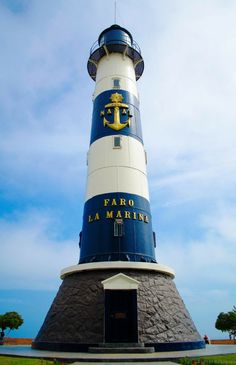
column 210, row 360
column 5, row 360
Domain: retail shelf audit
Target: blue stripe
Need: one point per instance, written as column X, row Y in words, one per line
column 98, row 130
column 98, row 242
column 83, row 347
column 177, row 346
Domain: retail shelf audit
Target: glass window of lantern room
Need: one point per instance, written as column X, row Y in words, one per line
column 116, row 83
column 117, row 142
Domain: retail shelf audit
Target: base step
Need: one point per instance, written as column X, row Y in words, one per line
column 124, row 349
column 121, row 344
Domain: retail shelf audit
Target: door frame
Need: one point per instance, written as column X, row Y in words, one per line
column 120, row 282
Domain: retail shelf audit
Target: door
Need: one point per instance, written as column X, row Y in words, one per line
column 121, row 316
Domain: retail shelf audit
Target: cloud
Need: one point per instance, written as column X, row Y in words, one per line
column 43, row 119
column 209, row 259
column 32, row 251
column 205, row 265
column 191, row 81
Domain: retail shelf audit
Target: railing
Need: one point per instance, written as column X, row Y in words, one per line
column 134, row 45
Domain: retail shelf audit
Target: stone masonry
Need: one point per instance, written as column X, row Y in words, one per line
column 77, row 312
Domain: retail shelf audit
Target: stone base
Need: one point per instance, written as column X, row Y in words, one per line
column 75, row 320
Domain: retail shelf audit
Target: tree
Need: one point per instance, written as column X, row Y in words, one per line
column 226, row 322
column 10, row 320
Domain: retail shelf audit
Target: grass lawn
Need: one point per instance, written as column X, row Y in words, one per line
column 210, row 360
column 5, row 360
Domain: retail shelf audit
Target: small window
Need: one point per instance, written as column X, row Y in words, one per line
column 118, row 228
column 80, row 239
column 145, row 153
column 116, row 83
column 154, row 239
column 117, row 142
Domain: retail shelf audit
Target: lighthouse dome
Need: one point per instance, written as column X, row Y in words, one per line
column 115, row 35
column 115, row 39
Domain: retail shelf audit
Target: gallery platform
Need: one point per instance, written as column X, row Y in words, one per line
column 93, row 358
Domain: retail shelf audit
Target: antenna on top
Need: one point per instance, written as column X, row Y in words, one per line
column 115, row 12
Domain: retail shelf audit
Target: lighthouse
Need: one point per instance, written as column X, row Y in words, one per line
column 117, row 220
column 118, row 293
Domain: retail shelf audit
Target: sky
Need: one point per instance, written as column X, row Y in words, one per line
column 187, row 103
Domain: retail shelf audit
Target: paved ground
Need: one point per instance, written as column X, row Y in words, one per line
column 83, row 358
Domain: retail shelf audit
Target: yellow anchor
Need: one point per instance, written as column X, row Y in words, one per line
column 116, row 103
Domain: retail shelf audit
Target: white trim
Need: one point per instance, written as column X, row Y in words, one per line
column 117, row 265
column 120, row 282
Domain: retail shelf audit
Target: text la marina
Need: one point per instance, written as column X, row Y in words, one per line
column 118, row 214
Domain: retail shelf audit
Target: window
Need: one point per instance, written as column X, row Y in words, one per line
column 116, row 83
column 118, row 228
column 80, row 239
column 117, row 142
column 145, row 153
column 154, row 239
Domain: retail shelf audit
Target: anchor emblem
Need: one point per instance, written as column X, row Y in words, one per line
column 116, row 104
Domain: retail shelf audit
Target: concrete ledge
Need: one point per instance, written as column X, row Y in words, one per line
column 107, row 265
column 83, row 347
column 26, row 351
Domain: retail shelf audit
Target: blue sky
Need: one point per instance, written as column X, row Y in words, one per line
column 188, row 115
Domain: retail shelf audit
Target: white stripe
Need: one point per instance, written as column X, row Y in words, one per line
column 118, row 265
column 103, row 154
column 117, row 179
column 117, row 170
column 115, row 66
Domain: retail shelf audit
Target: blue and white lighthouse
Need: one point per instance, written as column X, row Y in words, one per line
column 117, row 219
column 117, row 293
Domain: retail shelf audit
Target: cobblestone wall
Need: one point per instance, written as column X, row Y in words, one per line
column 77, row 312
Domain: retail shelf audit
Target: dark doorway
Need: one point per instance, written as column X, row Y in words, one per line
column 121, row 316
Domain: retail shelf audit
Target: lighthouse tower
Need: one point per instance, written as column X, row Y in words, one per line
column 117, row 293
column 117, row 220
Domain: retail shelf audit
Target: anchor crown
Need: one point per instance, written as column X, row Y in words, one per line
column 116, row 98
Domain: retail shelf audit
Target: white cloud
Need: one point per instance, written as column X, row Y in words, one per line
column 43, row 118
column 187, row 101
column 205, row 266
column 32, row 253
column 208, row 261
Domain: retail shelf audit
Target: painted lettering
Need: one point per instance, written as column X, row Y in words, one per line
column 127, row 214
column 134, row 215
column 118, row 215
column 122, row 201
column 109, row 214
column 146, row 219
column 140, row 217
column 131, row 203
column 106, row 202
column 113, row 202
column 90, row 219
column 96, row 218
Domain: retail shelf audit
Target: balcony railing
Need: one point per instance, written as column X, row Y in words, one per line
column 123, row 41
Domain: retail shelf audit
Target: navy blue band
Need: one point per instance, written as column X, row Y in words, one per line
column 98, row 129
column 98, row 239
